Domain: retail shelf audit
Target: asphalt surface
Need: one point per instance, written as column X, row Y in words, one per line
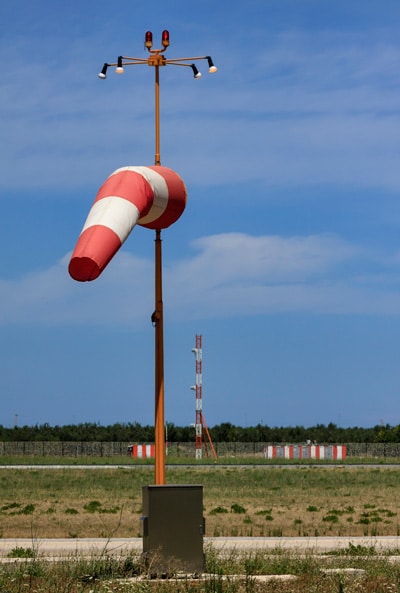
column 266, row 466
column 69, row 547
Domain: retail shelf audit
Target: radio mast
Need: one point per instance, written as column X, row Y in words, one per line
column 200, row 425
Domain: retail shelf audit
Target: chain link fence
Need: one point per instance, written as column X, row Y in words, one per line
column 184, row 450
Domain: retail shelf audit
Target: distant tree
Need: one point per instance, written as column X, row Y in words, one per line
column 389, row 434
column 224, row 432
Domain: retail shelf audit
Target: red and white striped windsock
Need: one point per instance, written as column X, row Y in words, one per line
column 153, row 197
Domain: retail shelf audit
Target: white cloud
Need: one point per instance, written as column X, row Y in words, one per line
column 51, row 297
column 237, row 257
column 229, row 275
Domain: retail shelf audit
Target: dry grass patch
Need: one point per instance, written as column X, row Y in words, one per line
column 249, row 501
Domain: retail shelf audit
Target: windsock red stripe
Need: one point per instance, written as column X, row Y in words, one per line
column 94, row 249
column 129, row 185
column 160, row 197
column 177, row 197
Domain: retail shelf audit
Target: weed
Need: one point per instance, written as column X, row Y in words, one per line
column 331, row 518
column 237, row 509
column 359, row 550
column 337, row 512
column 93, row 506
column 27, row 509
column 10, row 506
column 20, row 552
column 218, row 511
column 386, row 512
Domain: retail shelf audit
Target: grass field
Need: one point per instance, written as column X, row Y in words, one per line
column 354, row 571
column 249, row 501
column 105, row 502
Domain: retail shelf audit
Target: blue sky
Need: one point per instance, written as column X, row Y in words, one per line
column 287, row 258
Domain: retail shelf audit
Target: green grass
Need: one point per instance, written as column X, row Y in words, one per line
column 106, row 502
column 232, row 572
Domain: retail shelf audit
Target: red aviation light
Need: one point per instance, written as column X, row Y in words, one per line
column 165, row 38
column 148, row 39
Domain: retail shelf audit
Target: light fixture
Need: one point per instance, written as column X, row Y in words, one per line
column 119, row 69
column 165, row 38
column 103, row 73
column 148, row 39
column 211, row 67
column 196, row 73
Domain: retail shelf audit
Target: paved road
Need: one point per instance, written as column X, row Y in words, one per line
column 92, row 546
column 139, row 466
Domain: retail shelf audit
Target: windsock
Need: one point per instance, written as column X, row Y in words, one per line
column 153, row 197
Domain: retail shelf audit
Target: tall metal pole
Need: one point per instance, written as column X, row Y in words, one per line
column 159, row 368
column 157, row 59
column 157, row 159
column 159, row 430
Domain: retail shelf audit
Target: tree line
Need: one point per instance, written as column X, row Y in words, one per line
column 223, row 433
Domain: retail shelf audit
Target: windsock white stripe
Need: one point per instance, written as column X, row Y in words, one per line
column 160, row 192
column 116, row 213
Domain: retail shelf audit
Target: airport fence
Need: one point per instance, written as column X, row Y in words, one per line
column 184, row 450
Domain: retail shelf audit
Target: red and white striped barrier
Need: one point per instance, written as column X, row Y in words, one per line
column 142, row 451
column 153, row 197
column 335, row 452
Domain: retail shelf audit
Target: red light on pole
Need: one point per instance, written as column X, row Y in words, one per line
column 148, row 39
column 165, row 38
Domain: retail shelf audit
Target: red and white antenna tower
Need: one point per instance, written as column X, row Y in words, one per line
column 201, row 427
